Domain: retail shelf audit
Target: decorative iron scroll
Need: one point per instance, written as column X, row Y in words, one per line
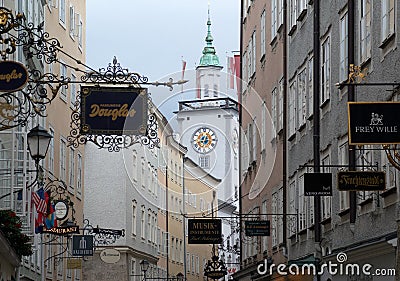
column 393, row 155
column 16, row 107
column 102, row 236
column 113, row 143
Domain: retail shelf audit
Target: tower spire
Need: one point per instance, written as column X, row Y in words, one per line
column 209, row 56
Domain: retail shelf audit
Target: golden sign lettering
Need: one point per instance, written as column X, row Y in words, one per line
column 98, row 111
column 11, row 76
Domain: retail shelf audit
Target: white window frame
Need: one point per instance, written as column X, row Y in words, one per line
column 292, row 109
column 280, row 106
column 365, row 30
column 262, row 34
column 71, row 169
column 63, row 159
column 301, row 97
column 344, row 42
column 51, row 152
column 274, row 19
column 388, row 23
column 134, row 217
column 204, row 161
column 310, row 87
column 292, row 13
column 325, row 69
column 72, row 24
column 62, row 12
column 326, row 201
column 274, row 113
column 79, row 175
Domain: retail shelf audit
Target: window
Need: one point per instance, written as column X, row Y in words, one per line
column 215, row 91
column 301, row 7
column 292, row 203
column 63, row 159
column 264, row 124
column 253, row 39
column 293, row 13
column 80, row 25
column 132, row 271
column 274, row 19
column 292, row 108
column 344, row 41
column 274, row 228
column 244, row 70
column 390, row 171
column 301, row 97
column 79, row 176
column 325, row 70
column 73, row 90
column 134, row 166
column 51, row 152
column 143, row 222
column 71, row 167
column 254, row 138
column 262, row 34
column 204, row 161
column 71, row 20
column 274, row 110
column 280, row 218
column 388, row 18
column 280, row 105
column 143, row 174
column 134, row 216
column 326, row 204
column 264, row 217
column 206, row 93
column 61, row 11
column 63, row 74
column 302, row 203
column 365, row 30
column 310, row 88
column 343, row 156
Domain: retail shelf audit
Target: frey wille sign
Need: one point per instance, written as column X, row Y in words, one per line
column 113, row 110
column 319, row 184
column 204, row 231
column 374, row 123
column 13, row 76
column 361, row 181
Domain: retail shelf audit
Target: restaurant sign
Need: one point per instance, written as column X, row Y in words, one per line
column 361, row 181
column 373, row 123
column 13, row 76
column 62, row 230
column 204, row 231
column 113, row 110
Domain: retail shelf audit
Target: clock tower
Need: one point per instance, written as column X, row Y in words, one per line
column 208, row 125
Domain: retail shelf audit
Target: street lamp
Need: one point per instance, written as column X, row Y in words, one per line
column 144, row 266
column 38, row 142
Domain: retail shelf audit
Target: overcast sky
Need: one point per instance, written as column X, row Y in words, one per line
column 152, row 36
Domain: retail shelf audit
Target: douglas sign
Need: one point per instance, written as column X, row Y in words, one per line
column 113, row 110
column 13, row 76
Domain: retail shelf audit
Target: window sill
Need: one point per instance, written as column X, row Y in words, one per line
column 388, row 191
column 365, row 202
column 292, row 30
column 311, row 117
column 273, row 41
column 326, row 221
column 324, row 103
column 302, row 15
column 291, row 137
column 303, row 231
column 386, row 41
column 311, row 227
column 344, row 212
column 302, row 127
column 262, row 59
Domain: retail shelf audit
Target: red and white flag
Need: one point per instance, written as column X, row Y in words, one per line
column 183, row 69
column 39, row 199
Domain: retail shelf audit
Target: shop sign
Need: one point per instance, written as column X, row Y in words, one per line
column 374, row 123
column 204, row 231
column 318, row 184
column 361, row 181
column 113, row 111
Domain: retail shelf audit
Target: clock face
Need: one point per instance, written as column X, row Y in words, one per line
column 204, row 140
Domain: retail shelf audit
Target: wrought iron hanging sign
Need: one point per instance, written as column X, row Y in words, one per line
column 113, row 111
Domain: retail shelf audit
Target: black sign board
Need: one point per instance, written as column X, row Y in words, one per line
column 13, row 76
column 82, row 245
column 374, row 123
column 361, row 181
column 113, row 111
column 257, row 228
column 204, row 231
column 318, row 184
